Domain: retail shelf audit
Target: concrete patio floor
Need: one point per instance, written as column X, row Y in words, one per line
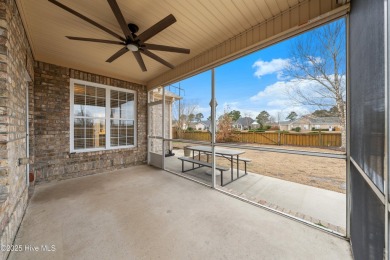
column 313, row 203
column 146, row 213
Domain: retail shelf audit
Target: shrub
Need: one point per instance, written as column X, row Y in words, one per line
column 274, row 128
column 190, row 129
column 225, row 132
column 297, row 129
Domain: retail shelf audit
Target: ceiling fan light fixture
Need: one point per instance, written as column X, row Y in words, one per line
column 132, row 47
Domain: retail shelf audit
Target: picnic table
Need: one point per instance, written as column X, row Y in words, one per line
column 232, row 155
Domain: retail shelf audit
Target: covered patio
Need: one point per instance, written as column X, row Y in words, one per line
column 146, row 213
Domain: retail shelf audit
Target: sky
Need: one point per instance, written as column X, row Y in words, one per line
column 250, row 84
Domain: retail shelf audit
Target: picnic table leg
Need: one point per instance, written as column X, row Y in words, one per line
column 193, row 157
column 231, row 167
column 182, row 166
column 238, row 168
column 221, row 178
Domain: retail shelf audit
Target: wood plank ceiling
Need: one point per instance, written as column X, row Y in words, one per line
column 201, row 25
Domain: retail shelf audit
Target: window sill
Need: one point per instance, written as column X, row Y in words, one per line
column 132, row 147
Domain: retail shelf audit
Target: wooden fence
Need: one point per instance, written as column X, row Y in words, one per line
column 323, row 139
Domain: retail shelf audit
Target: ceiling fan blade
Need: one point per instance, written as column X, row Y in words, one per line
column 117, row 54
column 93, row 40
column 139, row 59
column 157, row 47
column 157, row 58
column 158, row 27
column 87, row 19
column 119, row 17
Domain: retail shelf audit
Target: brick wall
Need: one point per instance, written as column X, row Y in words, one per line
column 15, row 61
column 52, row 160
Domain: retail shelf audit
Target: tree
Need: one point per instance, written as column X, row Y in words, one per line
column 191, row 117
column 325, row 113
column 319, row 57
column 292, row 116
column 209, row 118
column 199, row 117
column 225, row 129
column 235, row 115
column 181, row 112
column 262, row 118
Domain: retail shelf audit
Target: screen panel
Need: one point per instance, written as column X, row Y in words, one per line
column 367, row 87
column 367, row 220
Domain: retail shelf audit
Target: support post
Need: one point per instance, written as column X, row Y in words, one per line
column 213, row 126
column 348, row 134
column 387, row 124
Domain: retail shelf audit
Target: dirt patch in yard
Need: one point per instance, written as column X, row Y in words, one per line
column 321, row 172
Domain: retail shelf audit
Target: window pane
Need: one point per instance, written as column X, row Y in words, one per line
column 130, row 127
column 122, row 96
column 90, row 91
column 95, row 131
column 130, row 140
column 122, row 141
column 93, row 108
column 89, row 143
column 79, row 89
column 130, row 97
column 114, row 94
column 79, row 100
column 79, row 123
column 123, row 114
column 79, row 144
column 101, row 92
column 115, row 113
column 121, row 104
column 114, row 142
column 79, row 110
column 114, row 104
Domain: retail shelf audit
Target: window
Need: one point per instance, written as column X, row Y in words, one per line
column 102, row 117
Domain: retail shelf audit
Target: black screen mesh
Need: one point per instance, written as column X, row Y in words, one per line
column 367, row 87
column 367, row 220
column 367, row 101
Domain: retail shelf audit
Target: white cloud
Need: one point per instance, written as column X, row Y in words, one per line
column 276, row 100
column 270, row 67
column 315, row 60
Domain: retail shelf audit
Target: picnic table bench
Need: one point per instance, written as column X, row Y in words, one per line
column 201, row 164
column 231, row 155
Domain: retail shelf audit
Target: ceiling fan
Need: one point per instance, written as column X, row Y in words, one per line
column 131, row 41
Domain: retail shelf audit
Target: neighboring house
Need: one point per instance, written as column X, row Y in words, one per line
column 284, row 125
column 201, row 126
column 243, row 123
column 255, row 125
column 307, row 123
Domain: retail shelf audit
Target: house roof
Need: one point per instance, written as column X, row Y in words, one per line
column 284, row 122
column 206, row 123
column 215, row 31
column 244, row 121
column 318, row 120
column 325, row 120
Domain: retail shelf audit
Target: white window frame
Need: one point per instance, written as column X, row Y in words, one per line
column 107, row 118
